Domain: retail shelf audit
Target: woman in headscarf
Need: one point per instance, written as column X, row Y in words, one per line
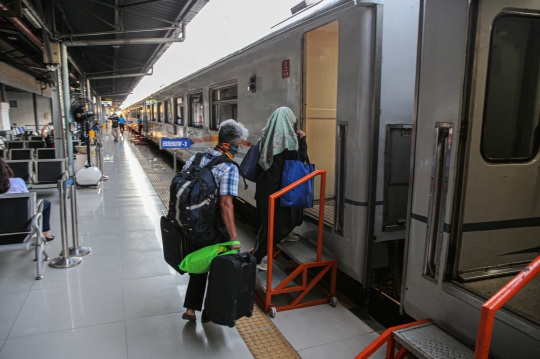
column 280, row 141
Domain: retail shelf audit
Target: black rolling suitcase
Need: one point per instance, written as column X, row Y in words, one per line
column 175, row 245
column 231, row 288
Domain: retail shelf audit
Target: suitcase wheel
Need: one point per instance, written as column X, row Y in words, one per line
column 249, row 314
column 333, row 301
column 231, row 324
column 272, row 312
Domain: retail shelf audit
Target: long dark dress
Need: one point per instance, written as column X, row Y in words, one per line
column 268, row 183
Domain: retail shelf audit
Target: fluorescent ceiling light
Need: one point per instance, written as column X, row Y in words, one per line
column 28, row 14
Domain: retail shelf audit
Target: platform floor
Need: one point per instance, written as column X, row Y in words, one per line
column 124, row 301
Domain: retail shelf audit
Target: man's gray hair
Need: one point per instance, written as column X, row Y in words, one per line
column 231, row 131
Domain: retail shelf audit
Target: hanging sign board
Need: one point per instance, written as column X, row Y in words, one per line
column 285, row 68
column 175, row 143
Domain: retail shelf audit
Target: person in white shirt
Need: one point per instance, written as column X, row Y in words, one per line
column 9, row 185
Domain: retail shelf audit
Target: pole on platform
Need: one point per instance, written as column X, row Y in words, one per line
column 76, row 250
column 36, row 119
column 65, row 88
column 174, row 161
column 56, row 109
column 3, row 92
column 64, row 261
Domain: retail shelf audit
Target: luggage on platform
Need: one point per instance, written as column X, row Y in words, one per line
column 231, row 288
column 175, row 244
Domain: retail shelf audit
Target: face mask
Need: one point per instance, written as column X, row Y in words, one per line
column 233, row 149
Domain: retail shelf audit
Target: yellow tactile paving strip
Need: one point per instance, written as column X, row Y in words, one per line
column 260, row 334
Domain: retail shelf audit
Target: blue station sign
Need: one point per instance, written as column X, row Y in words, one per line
column 175, row 143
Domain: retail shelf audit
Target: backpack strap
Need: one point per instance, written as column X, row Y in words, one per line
column 197, row 160
column 221, row 159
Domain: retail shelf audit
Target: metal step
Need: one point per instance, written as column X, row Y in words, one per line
column 301, row 251
column 428, row 341
column 278, row 275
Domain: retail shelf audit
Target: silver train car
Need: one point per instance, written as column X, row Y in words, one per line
column 425, row 115
column 326, row 64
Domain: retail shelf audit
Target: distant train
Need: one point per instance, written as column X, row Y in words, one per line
column 425, row 114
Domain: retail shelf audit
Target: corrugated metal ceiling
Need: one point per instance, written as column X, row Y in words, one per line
column 70, row 20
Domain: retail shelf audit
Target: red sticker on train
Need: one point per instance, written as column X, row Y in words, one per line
column 285, row 69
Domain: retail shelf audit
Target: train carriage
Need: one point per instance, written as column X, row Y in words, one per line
column 425, row 115
column 326, row 64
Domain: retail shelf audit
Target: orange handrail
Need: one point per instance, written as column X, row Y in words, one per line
column 487, row 315
column 386, row 337
column 271, row 208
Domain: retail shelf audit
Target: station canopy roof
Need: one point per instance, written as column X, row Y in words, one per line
column 113, row 43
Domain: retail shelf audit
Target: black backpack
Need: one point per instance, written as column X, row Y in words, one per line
column 193, row 196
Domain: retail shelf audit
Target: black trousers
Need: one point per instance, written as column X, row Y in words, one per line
column 122, row 128
column 197, row 282
column 285, row 220
column 195, row 291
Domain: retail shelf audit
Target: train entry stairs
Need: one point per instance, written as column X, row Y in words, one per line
column 426, row 340
column 296, row 283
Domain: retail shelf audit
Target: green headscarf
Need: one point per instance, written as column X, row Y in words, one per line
column 277, row 136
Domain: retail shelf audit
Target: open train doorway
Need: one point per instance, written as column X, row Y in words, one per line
column 319, row 110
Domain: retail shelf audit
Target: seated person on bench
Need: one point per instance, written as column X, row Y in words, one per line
column 8, row 184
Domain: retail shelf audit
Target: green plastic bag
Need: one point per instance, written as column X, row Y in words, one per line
column 199, row 261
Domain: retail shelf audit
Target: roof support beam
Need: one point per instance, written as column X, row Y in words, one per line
column 144, row 13
column 118, row 32
column 120, row 76
column 140, row 3
column 110, row 71
column 100, row 19
column 142, row 41
column 116, row 94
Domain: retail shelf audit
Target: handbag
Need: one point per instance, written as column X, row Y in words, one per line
column 199, row 261
column 248, row 167
column 176, row 246
column 301, row 196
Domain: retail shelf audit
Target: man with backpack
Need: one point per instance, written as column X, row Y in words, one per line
column 215, row 224
column 114, row 126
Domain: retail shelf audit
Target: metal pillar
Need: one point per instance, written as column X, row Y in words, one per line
column 36, row 120
column 65, row 88
column 76, row 250
column 3, row 92
column 64, row 261
column 59, row 144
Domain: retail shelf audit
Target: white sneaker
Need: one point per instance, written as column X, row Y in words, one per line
column 291, row 237
column 262, row 266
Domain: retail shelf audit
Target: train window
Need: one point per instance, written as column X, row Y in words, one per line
column 152, row 112
column 180, row 111
column 224, row 105
column 168, row 112
column 160, row 112
column 196, row 110
column 512, row 108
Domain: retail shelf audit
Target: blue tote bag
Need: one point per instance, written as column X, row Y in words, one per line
column 248, row 167
column 301, row 196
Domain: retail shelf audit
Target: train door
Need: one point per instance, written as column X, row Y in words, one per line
column 475, row 204
column 499, row 230
column 320, row 102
